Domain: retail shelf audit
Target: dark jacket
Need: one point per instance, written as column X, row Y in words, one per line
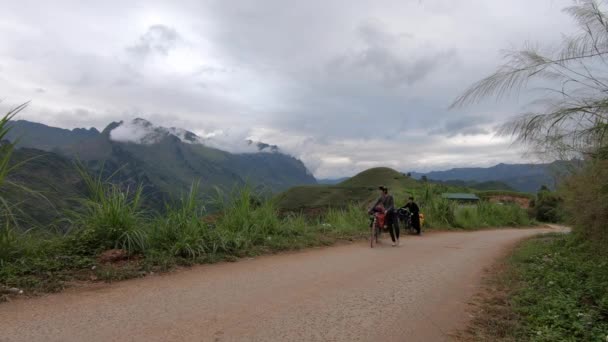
column 413, row 208
column 415, row 211
column 387, row 201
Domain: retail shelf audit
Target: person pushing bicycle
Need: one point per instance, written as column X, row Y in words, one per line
column 388, row 203
column 414, row 211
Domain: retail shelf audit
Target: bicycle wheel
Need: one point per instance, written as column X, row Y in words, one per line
column 377, row 233
column 372, row 237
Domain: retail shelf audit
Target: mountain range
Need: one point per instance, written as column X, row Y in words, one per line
column 520, row 177
column 164, row 160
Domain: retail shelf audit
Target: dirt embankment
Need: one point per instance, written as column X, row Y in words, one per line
column 523, row 202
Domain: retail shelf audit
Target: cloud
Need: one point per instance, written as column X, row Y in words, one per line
column 159, row 39
column 468, row 125
column 343, row 85
column 392, row 59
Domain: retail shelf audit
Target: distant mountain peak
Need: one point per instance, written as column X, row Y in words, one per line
column 142, row 131
column 263, row 147
column 142, row 122
column 110, row 127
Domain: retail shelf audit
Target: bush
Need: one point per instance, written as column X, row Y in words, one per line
column 586, row 201
column 547, row 207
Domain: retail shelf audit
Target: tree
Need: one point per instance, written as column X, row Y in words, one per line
column 571, row 118
column 548, row 206
column 424, row 179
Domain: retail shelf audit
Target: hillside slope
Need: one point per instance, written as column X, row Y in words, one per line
column 360, row 189
column 54, row 182
column 38, row 136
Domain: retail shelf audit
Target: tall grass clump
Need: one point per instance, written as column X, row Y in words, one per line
column 180, row 231
column 442, row 213
column 486, row 214
column 347, row 222
column 111, row 217
column 245, row 220
column 11, row 240
column 439, row 212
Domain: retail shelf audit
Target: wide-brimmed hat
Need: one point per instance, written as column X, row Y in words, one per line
column 383, row 188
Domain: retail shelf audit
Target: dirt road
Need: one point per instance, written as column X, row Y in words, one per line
column 416, row 292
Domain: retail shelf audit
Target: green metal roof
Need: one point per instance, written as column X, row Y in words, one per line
column 461, row 196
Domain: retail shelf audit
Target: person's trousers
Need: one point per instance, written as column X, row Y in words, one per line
column 393, row 225
column 416, row 223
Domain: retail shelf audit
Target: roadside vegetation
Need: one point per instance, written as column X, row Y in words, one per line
column 551, row 288
column 555, row 288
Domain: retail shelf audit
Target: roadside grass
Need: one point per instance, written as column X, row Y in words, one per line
column 552, row 288
column 441, row 213
column 244, row 224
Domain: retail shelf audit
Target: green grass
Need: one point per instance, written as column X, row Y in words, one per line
column 111, row 217
column 487, row 214
column 244, row 225
column 564, row 290
column 445, row 214
column 554, row 288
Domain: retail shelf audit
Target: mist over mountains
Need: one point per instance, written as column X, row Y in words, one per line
column 166, row 161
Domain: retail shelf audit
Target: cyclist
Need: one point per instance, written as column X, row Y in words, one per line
column 415, row 212
column 388, row 202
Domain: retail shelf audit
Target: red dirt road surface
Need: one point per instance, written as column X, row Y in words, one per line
column 416, row 292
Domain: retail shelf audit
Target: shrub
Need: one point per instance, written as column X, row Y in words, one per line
column 586, row 201
column 110, row 218
column 548, row 206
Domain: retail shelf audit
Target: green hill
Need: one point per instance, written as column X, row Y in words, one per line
column 52, row 181
column 362, row 188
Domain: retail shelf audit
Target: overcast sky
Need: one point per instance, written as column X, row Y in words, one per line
column 344, row 85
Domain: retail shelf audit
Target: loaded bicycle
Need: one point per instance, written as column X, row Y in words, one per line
column 405, row 216
column 377, row 219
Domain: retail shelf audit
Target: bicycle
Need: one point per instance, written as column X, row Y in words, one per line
column 405, row 216
column 376, row 224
